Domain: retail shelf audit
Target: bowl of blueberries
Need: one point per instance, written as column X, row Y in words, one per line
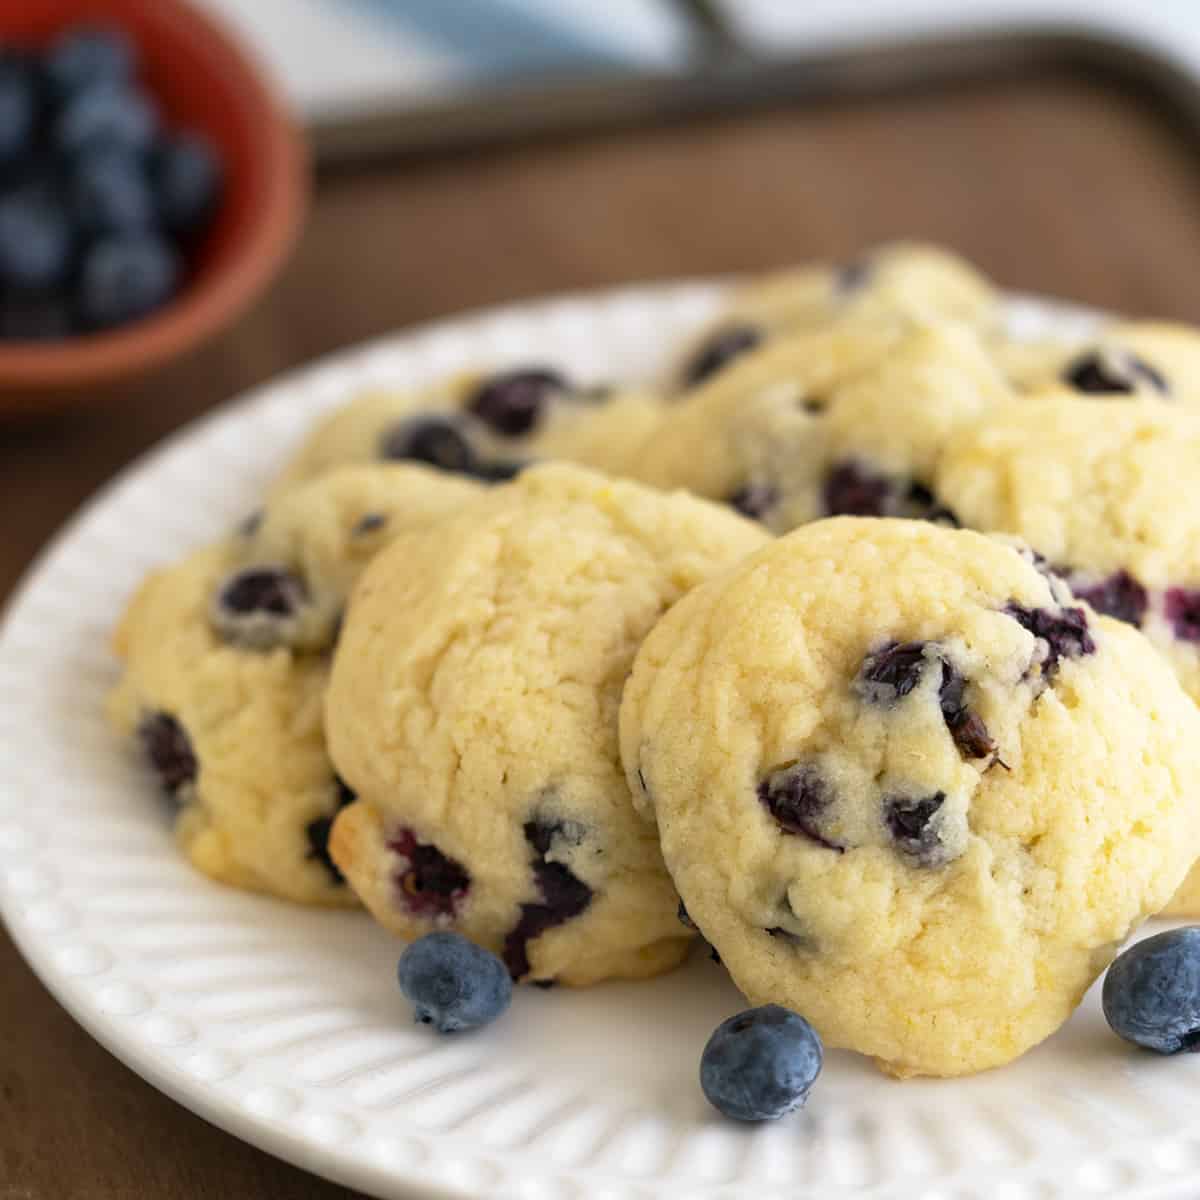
column 151, row 184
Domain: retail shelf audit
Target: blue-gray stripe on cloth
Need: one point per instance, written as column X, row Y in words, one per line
column 495, row 38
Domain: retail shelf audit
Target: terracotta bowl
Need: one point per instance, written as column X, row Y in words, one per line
column 201, row 79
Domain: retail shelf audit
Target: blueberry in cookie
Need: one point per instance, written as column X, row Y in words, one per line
column 225, row 663
column 845, row 420
column 487, row 427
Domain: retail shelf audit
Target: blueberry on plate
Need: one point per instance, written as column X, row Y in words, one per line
column 106, row 115
column 761, row 1064
column 453, row 984
column 110, row 192
column 1151, row 994
column 35, row 241
column 125, row 276
column 18, row 109
column 186, row 172
column 89, row 55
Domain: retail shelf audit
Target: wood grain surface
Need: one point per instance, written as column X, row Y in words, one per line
column 1051, row 183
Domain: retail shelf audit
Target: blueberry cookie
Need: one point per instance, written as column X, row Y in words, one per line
column 487, row 427
column 1096, row 491
column 225, row 668
column 909, row 787
column 1147, row 360
column 848, row 419
column 902, row 279
column 473, row 709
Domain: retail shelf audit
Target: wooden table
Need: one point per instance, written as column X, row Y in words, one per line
column 1051, row 183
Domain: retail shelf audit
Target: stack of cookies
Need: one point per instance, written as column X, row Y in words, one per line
column 865, row 643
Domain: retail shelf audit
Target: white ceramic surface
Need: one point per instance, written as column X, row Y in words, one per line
column 284, row 1026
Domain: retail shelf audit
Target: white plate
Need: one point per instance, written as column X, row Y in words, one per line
column 285, row 1027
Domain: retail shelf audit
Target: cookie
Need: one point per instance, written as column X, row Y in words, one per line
column 848, row 419
column 1147, row 360
column 226, row 662
column 903, row 279
column 486, row 427
column 909, row 787
column 1096, row 490
column 473, row 709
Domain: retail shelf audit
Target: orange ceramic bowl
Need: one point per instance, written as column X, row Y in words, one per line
column 201, row 79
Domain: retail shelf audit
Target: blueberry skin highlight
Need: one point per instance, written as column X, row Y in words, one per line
column 1151, row 994
column 87, row 56
column 761, row 1064
column 453, row 984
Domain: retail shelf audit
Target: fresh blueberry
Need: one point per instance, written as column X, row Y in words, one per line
column 89, row 55
column 1119, row 595
column 317, row 832
column 1151, row 993
column 761, row 1064
column 107, row 115
column 916, row 827
column 430, row 884
column 1065, row 633
column 562, row 895
column 34, row 316
column 1113, row 372
column 798, row 797
column 18, row 110
column 726, row 345
column 512, row 403
column 124, row 277
column 453, row 984
column 186, row 172
column 110, row 193
column 434, row 440
column 168, row 749
column 1183, row 611
column 35, row 241
column 754, row 500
